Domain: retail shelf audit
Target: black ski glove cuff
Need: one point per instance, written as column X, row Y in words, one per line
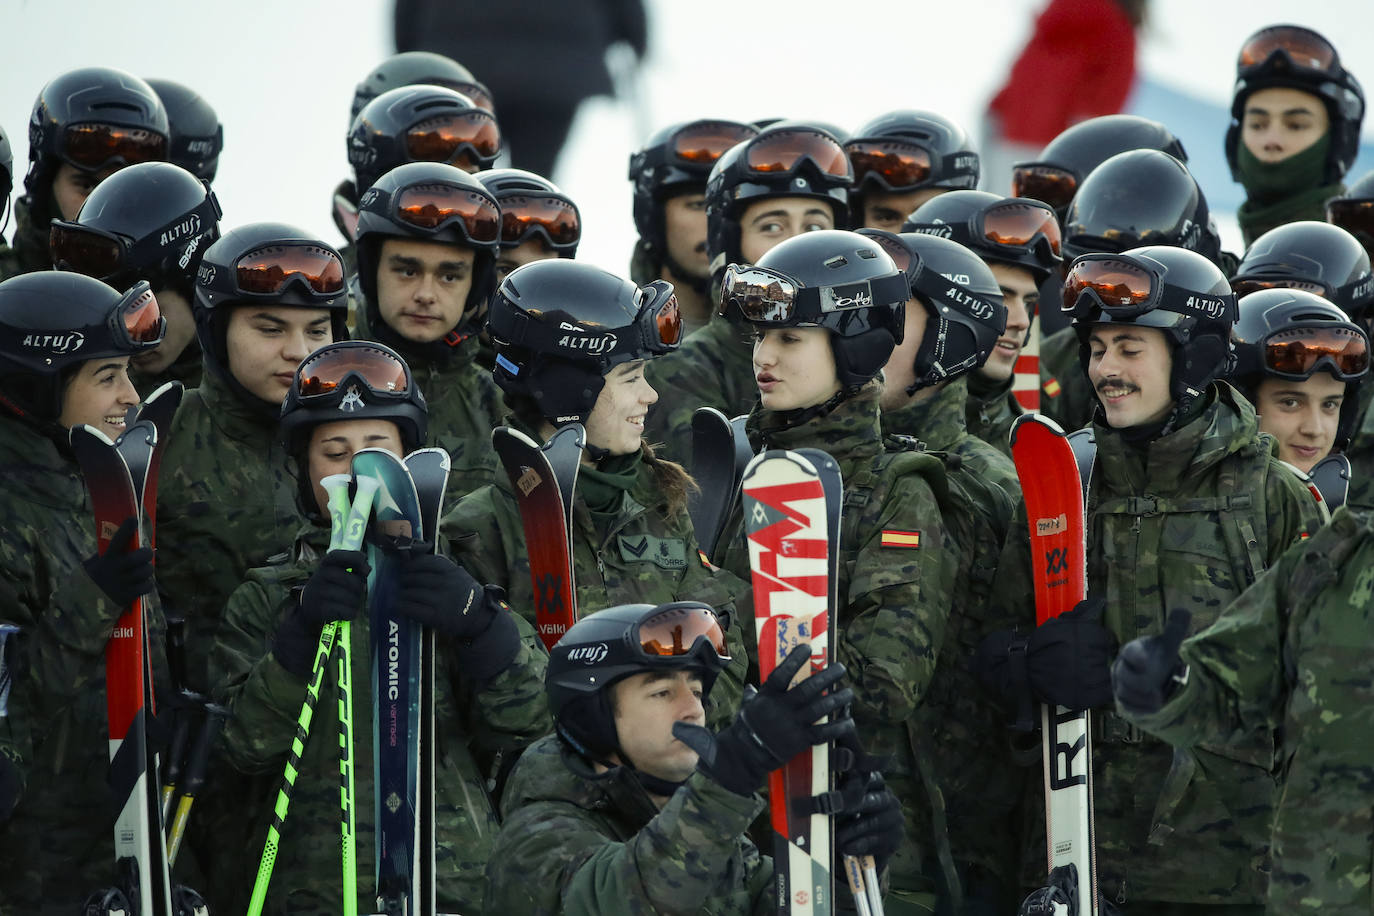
column 437, row 592
column 1148, row 671
column 121, row 574
column 491, row 651
column 873, row 824
column 1069, row 658
column 999, row 663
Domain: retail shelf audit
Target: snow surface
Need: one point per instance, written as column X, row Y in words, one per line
column 281, row 75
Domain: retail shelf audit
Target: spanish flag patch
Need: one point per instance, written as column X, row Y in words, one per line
column 893, row 538
column 1051, row 388
column 705, row 562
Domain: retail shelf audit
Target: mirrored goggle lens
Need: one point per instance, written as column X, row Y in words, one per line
column 142, row 318
column 1054, row 186
column 432, row 206
column 443, row 138
column 1354, row 216
column 760, row 296
column 1016, row 224
column 480, row 95
column 268, row 270
column 675, row 630
column 784, row 150
column 92, row 146
column 899, row 164
column 703, row 143
column 323, row 372
column 1247, row 286
column 669, row 322
column 522, row 215
column 1304, row 48
column 74, row 248
column 1297, row 352
column 1119, row 284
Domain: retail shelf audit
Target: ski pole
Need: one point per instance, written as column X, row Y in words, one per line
column 195, row 776
column 186, row 706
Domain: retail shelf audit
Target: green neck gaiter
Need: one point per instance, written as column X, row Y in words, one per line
column 1270, row 182
column 602, row 486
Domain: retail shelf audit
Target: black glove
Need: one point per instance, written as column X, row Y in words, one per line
column 1069, row 658
column 1148, row 670
column 334, row 592
column 999, row 663
column 438, row 593
column 872, row 824
column 774, row 725
column 1062, row 889
column 122, row 576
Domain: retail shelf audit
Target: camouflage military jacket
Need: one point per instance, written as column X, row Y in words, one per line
column 1290, row 656
column 648, row 555
column 30, row 249
column 58, row 845
column 464, row 407
column 1187, row 521
column 1075, row 404
column 714, row 367
column 472, row 727
column 578, row 842
column 227, row 502
column 989, row 413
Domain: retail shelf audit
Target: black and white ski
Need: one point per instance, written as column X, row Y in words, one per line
column 720, row 453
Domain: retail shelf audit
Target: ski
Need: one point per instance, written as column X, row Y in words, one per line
column 429, row 468
column 140, row 857
column 788, row 533
column 1054, row 489
column 543, row 481
column 1330, row 481
column 720, row 453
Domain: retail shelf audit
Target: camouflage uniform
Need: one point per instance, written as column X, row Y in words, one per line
column 1186, row 520
column 713, row 368
column 30, row 249
column 1290, row 657
column 58, row 847
column 990, row 410
column 464, row 407
column 894, row 618
column 472, row 725
column 1360, row 449
column 648, row 554
column 1075, row 403
column 575, row 841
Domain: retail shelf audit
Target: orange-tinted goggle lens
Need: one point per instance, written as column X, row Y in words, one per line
column 326, row 371
column 1016, row 224
column 1304, row 48
column 268, row 270
column 1046, row 183
column 900, row 164
column 669, row 322
column 702, row 144
column 430, row 206
column 92, row 146
column 1297, row 352
column 143, row 319
column 443, row 138
column 783, row 150
column 1248, row 286
column 675, row 630
column 558, row 218
column 85, row 252
column 1117, row 283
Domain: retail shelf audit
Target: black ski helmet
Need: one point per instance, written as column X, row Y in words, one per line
column 965, row 313
column 834, row 279
column 781, row 161
column 6, row 177
column 1317, row 257
column 1008, row 230
column 412, row 68
column 353, row 380
column 53, row 321
column 611, row 645
column 909, row 150
column 559, row 326
column 272, row 264
column 91, row 118
column 1069, row 158
column 1290, row 315
column 1353, row 211
column 197, row 136
column 429, row 202
column 677, row 160
column 1298, row 58
column 1137, row 198
column 1175, row 290
column 420, row 124
column 533, row 207
column 150, row 221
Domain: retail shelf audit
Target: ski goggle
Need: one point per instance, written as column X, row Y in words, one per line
column 1354, row 216
column 268, row 271
column 1247, row 285
column 433, row 207
column 93, row 146
column 766, row 297
column 137, row 320
column 325, row 371
column 463, row 138
column 1303, row 49
column 524, row 216
column 783, row 152
column 901, row 255
column 699, row 144
column 1044, row 182
column 1298, row 352
column 102, row 254
column 901, row 165
column 480, row 95
column 660, row 318
column 675, row 629
column 1024, row 226
column 1125, row 289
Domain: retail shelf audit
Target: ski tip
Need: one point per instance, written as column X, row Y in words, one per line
column 574, row 433
column 83, row 431
column 501, row 433
column 1033, row 420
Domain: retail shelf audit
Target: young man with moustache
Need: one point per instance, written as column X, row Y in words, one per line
column 1187, row 505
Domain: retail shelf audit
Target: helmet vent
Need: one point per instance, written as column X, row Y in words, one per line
column 867, row 254
column 125, row 106
column 837, row 262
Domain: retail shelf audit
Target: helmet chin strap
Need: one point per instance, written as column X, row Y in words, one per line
column 791, row 419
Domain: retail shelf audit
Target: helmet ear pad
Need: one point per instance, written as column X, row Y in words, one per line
column 564, row 391
column 1206, row 358
column 860, row 356
column 588, row 724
